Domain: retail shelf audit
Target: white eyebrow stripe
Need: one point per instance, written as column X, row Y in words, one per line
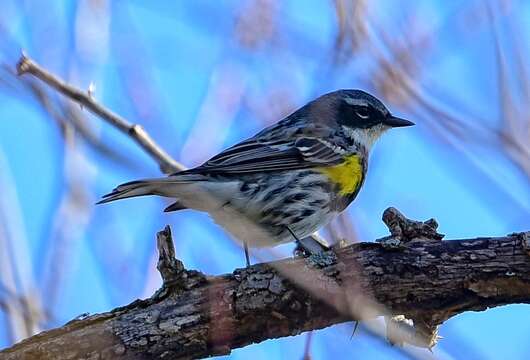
column 356, row 102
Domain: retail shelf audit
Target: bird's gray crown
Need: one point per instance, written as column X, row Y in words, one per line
column 356, row 108
column 361, row 98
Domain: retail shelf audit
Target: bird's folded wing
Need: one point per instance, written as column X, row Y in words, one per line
column 256, row 156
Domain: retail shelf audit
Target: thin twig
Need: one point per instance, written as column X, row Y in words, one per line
column 307, row 346
column 136, row 132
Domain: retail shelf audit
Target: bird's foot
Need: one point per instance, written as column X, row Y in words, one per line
column 355, row 326
column 323, row 259
column 308, row 246
column 316, row 253
column 247, row 253
column 403, row 230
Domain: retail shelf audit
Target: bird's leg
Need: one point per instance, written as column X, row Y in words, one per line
column 316, row 253
column 247, row 257
column 303, row 247
column 314, row 245
column 355, row 326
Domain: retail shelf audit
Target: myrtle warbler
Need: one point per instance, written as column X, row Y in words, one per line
column 287, row 181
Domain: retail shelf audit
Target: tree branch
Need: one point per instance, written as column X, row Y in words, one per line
column 136, row 132
column 195, row 316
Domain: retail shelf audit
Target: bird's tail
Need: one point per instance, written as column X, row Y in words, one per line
column 158, row 186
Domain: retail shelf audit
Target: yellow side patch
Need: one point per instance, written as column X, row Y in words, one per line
column 347, row 175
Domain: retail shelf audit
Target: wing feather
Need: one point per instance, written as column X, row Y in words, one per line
column 254, row 155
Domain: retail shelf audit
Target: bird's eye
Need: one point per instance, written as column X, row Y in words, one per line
column 362, row 112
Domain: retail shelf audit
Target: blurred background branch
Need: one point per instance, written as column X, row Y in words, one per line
column 86, row 99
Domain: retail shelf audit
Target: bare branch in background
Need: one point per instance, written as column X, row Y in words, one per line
column 72, row 216
column 136, row 132
column 22, row 303
column 255, row 24
column 513, row 134
column 63, row 112
column 402, row 82
column 352, row 32
column 307, row 346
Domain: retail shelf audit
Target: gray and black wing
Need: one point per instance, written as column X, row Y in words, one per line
column 256, row 155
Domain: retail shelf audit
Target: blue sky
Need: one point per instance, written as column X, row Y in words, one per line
column 180, row 70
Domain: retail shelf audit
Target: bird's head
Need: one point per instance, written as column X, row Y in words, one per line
column 361, row 116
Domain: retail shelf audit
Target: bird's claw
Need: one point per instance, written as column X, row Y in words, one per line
column 315, row 252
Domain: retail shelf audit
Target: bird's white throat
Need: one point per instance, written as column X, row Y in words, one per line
column 366, row 137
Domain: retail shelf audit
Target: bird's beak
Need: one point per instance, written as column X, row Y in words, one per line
column 394, row 121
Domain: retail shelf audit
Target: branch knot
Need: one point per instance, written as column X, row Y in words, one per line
column 169, row 267
column 525, row 240
column 403, row 230
column 172, row 271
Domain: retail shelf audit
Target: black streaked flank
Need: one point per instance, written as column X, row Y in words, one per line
column 308, row 212
column 273, row 192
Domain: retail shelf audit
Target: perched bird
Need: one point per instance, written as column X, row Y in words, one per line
column 288, row 180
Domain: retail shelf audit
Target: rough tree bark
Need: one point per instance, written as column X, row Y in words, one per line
column 411, row 273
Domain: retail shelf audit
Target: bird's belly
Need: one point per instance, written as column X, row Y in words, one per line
column 261, row 213
column 268, row 234
column 304, row 227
